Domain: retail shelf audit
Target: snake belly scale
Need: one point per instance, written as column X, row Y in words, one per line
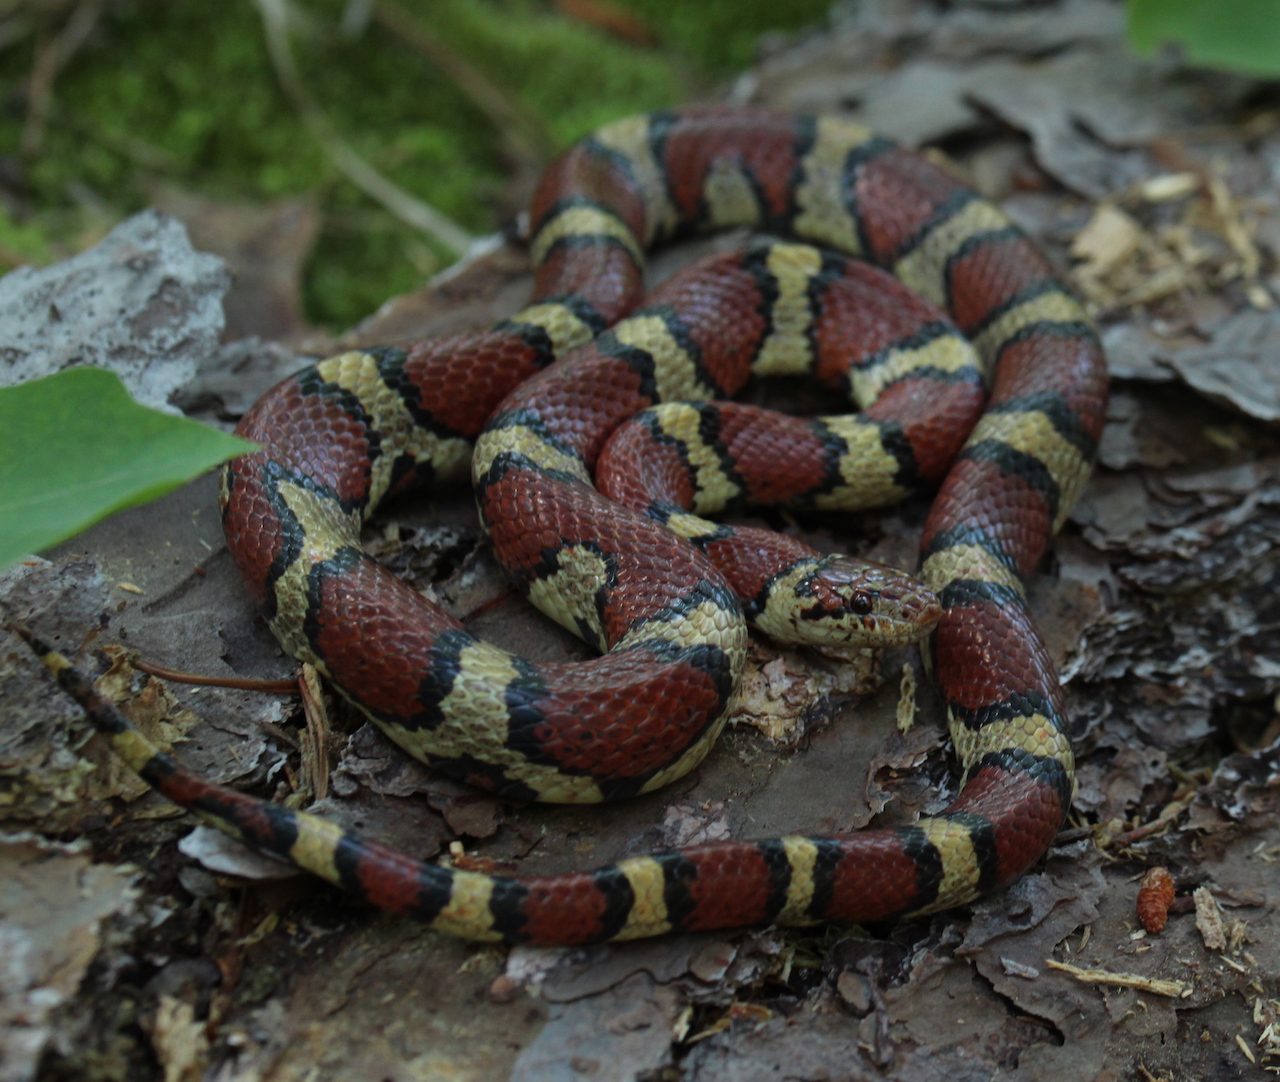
column 545, row 389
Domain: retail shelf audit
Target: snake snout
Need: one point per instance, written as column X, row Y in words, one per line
column 918, row 605
column 877, row 605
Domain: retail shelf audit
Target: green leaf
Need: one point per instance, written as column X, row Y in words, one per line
column 1238, row 35
column 74, row 448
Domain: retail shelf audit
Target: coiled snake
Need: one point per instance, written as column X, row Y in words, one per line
column 342, row 434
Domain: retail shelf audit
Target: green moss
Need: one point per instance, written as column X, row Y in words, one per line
column 722, row 37
column 572, row 75
column 22, row 242
column 183, row 92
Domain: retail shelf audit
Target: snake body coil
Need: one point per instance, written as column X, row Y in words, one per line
column 342, row 434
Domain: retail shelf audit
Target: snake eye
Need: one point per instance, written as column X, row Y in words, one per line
column 861, row 604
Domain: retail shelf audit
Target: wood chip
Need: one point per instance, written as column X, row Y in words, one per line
column 503, row 989
column 1244, row 1047
column 1017, row 969
column 1209, row 920
column 853, row 989
column 1169, row 186
column 1109, row 238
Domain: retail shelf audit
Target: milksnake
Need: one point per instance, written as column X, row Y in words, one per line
column 544, row 391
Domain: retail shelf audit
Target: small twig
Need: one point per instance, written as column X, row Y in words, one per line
column 1147, row 829
column 39, row 91
column 52, row 55
column 276, row 687
column 315, row 740
column 407, row 208
column 1173, row 989
column 283, row 735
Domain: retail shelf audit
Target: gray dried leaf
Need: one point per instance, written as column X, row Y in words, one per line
column 1240, row 367
column 222, row 853
column 617, row 1036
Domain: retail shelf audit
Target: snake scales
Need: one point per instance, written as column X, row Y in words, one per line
column 544, row 390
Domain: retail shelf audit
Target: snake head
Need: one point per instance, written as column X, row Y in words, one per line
column 840, row 601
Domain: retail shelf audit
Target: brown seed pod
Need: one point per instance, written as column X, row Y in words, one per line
column 1154, row 898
